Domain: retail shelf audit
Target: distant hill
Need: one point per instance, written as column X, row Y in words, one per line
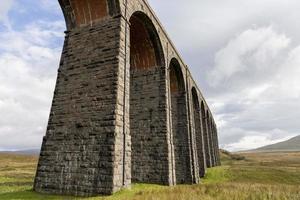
column 292, row 144
column 24, row 152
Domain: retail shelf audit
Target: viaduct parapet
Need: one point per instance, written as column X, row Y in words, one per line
column 125, row 108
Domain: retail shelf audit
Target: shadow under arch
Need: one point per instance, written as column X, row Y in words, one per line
column 211, row 141
column 145, row 46
column 198, row 132
column 149, row 159
column 88, row 12
column 179, row 124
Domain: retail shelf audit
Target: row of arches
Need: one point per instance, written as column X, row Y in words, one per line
column 191, row 129
column 111, row 127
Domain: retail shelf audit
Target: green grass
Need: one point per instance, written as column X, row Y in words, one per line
column 217, row 175
column 273, row 176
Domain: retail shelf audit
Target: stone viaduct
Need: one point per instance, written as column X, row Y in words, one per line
column 125, row 108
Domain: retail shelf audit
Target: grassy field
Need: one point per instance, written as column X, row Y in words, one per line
column 260, row 176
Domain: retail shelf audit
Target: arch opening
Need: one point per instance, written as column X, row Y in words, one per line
column 145, row 46
column 198, row 132
column 209, row 139
column 79, row 13
column 212, row 142
column 179, row 123
column 147, row 97
column 205, row 136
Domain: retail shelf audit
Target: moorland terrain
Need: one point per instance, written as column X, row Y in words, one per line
column 247, row 176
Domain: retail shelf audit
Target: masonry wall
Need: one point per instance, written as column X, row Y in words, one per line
column 180, row 138
column 148, row 126
column 80, row 143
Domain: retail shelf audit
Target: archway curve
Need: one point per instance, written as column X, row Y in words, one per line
column 147, row 97
column 195, row 98
column 146, row 50
column 177, row 81
column 212, row 141
column 198, row 132
column 209, row 136
column 88, row 12
column 205, row 135
column 179, row 118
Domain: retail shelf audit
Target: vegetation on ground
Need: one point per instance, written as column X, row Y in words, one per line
column 252, row 176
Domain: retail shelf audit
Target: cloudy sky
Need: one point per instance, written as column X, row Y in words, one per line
column 245, row 55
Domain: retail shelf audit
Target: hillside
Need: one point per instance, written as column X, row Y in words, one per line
column 33, row 152
column 290, row 145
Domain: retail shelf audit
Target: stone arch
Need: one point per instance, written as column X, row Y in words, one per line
column 210, row 138
column 145, row 46
column 88, row 12
column 198, row 132
column 177, row 80
column 205, row 136
column 213, row 142
column 147, row 97
column 179, row 123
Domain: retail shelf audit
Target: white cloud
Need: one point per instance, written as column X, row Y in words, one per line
column 287, row 79
column 5, row 6
column 253, row 51
column 257, row 89
column 28, row 65
column 50, row 5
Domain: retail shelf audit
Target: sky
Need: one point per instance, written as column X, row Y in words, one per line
column 245, row 56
